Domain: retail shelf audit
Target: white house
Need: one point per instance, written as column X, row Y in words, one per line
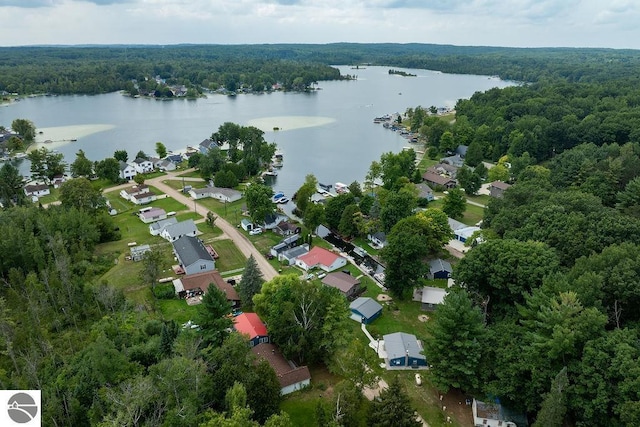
column 57, row 181
column 158, row 227
column 129, row 192
column 226, row 195
column 175, row 231
column 321, row 258
column 143, row 198
column 37, row 190
column 200, row 193
column 142, row 165
column 166, row 165
column 127, row 172
column 152, row 215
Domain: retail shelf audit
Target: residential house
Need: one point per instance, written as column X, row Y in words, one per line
column 365, row 310
column 175, row 158
column 425, row 192
column 321, row 258
column 429, row 297
column 129, row 192
column 465, row 233
column 157, row 227
column 490, row 414
column 207, row 145
column 166, row 165
column 137, row 252
column 200, row 282
column 127, row 171
column 273, row 219
column 290, row 255
column 456, row 225
column 192, row 256
column 379, row 239
column 175, row 231
column 226, row 195
column 58, row 180
column 497, row 188
column 37, row 190
column 461, row 150
column 143, row 199
column 345, row 283
column 152, row 215
column 285, row 244
column 250, row 324
column 456, row 160
column 290, row 376
column 439, row 269
column 286, row 228
column 444, row 169
column 434, row 180
column 403, row 350
column 200, row 193
column 142, row 165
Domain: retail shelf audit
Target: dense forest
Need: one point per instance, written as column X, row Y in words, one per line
column 92, row 70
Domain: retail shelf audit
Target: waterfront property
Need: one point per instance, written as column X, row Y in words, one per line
column 127, row 172
column 37, row 190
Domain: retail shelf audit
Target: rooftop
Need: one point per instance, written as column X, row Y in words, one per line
column 400, row 344
column 204, row 280
column 190, row 250
column 318, row 255
column 339, row 280
column 366, row 306
column 250, row 324
column 286, row 373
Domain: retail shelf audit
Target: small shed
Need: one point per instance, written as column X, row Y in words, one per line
column 246, row 224
column 137, row 252
column 439, row 269
column 365, row 310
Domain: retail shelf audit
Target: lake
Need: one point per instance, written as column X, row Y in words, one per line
column 329, row 133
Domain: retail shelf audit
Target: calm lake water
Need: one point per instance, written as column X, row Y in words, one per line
column 340, row 150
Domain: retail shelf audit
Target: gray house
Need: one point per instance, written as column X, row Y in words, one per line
column 404, row 350
column 192, row 256
column 286, row 244
column 365, row 310
column 290, row 255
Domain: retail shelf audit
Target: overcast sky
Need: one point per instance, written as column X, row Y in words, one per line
column 524, row 23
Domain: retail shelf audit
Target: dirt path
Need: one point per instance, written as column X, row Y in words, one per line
column 240, row 240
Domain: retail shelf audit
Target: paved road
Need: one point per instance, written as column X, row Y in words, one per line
column 240, row 240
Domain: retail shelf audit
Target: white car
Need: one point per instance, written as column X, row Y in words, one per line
column 255, row 231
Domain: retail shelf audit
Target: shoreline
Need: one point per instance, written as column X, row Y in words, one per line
column 58, row 136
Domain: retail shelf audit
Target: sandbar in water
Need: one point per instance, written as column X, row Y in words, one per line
column 61, row 135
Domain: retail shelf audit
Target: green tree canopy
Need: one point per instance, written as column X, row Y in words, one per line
column 259, row 203
column 212, row 316
column 454, row 203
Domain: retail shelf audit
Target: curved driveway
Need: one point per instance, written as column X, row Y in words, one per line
column 239, row 239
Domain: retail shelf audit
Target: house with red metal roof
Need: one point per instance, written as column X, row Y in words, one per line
column 320, row 258
column 249, row 324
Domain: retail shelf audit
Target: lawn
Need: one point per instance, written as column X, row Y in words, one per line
column 230, row 256
column 53, row 196
column 178, row 184
column 472, row 214
column 176, row 309
column 365, row 244
column 190, row 174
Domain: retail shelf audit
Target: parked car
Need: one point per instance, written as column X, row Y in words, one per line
column 255, row 231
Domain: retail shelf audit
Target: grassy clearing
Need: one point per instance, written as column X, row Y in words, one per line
column 190, row 174
column 230, row 256
column 176, row 309
column 483, row 199
column 425, row 163
column 365, row 244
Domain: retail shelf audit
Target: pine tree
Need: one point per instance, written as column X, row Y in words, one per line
column 393, row 408
column 212, row 316
column 251, row 282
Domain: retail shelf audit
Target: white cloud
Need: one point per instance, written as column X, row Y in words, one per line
column 460, row 22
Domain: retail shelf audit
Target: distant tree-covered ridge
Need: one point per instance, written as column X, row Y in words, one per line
column 101, row 69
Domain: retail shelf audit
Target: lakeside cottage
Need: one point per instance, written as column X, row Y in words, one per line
column 127, row 172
